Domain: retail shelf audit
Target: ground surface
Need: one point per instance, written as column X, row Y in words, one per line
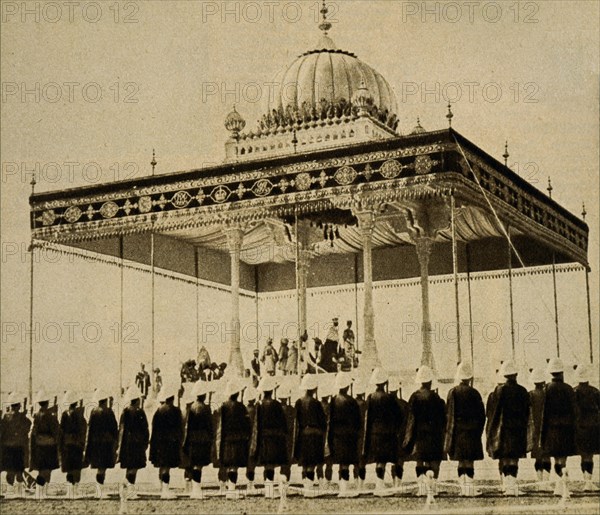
column 447, row 502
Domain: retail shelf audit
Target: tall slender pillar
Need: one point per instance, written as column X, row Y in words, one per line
column 304, row 256
column 423, row 247
column 235, row 237
column 370, row 358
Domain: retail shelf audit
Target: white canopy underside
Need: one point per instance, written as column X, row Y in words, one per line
column 472, row 223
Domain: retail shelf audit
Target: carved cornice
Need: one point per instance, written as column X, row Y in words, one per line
column 362, row 181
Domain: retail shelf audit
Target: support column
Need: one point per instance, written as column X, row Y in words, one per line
column 589, row 312
column 370, row 358
column 423, row 247
column 304, row 257
column 235, row 236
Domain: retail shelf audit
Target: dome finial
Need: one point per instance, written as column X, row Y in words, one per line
column 153, row 163
column 549, row 188
column 583, row 211
column 325, row 25
column 418, row 128
column 450, row 115
column 234, row 123
column 506, row 155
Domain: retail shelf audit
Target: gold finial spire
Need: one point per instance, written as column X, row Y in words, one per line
column 325, row 25
column 506, row 155
column 153, row 162
column 583, row 211
column 33, row 183
column 450, row 115
column 549, row 188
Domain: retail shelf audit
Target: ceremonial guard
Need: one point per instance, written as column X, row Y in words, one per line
column 14, row 445
column 198, row 436
column 465, row 421
column 284, row 394
column 424, row 439
column 233, row 434
column 43, row 452
column 309, row 433
column 360, row 467
column 508, row 424
column 102, row 439
column 382, row 423
column 250, row 395
column 541, row 459
column 133, row 438
column 587, row 436
column 324, row 471
column 166, row 439
column 344, row 428
column 395, row 389
column 269, row 443
column 559, row 417
column 71, row 442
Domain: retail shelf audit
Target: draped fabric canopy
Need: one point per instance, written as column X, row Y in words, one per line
column 391, row 229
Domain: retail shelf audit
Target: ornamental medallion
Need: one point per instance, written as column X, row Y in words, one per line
column 48, row 217
column 390, row 169
column 181, row 199
column 145, row 204
column 220, row 194
column 262, row 187
column 72, row 214
column 109, row 209
column 303, row 181
column 345, row 175
column 423, row 164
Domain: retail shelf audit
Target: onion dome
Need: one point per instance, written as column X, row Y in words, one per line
column 326, row 77
column 234, row 123
column 327, row 82
column 418, row 128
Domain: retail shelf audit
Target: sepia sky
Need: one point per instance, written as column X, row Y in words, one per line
column 87, row 92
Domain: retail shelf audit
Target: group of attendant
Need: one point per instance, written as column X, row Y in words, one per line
column 260, row 428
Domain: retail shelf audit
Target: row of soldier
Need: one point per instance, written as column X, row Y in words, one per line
column 554, row 421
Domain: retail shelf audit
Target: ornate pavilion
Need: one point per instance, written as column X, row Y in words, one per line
column 325, row 181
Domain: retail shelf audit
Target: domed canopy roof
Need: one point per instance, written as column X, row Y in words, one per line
column 331, row 75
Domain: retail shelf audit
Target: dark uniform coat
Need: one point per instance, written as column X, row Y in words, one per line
column 269, row 444
column 198, row 435
column 167, row 436
column 14, row 441
column 424, row 439
column 587, row 435
column 403, row 407
column 133, row 438
column 309, row 432
column 508, row 422
column 71, row 443
column 536, row 398
column 233, row 434
column 382, row 423
column 360, row 439
column 103, row 434
column 344, row 428
column 465, row 423
column 559, row 420
column 44, row 441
